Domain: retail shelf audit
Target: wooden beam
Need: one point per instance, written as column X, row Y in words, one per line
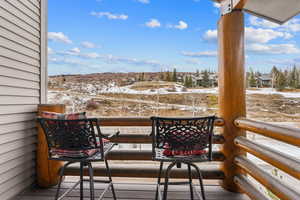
column 278, row 188
column 136, row 121
column 284, row 134
column 146, row 155
column 249, row 188
column 144, row 171
column 232, row 90
column 47, row 170
column 278, row 159
column 142, row 138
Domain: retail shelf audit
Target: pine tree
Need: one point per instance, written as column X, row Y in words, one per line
column 205, row 78
column 280, row 81
column 161, row 76
column 274, row 73
column 174, row 76
column 186, row 81
column 190, row 81
column 251, row 79
column 293, row 78
column 168, row 76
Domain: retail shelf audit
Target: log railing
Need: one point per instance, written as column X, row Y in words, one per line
column 277, row 159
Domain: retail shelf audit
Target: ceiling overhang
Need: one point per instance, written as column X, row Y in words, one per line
column 278, row 11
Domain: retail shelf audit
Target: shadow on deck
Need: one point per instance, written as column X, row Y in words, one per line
column 136, row 190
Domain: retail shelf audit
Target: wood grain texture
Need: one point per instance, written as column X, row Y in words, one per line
column 47, row 170
column 232, row 91
column 249, row 188
column 284, row 134
column 136, row 121
column 276, row 158
column 277, row 187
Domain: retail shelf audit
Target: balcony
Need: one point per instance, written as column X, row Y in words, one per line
column 134, row 173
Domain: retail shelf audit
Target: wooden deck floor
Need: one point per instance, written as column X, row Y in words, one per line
column 132, row 190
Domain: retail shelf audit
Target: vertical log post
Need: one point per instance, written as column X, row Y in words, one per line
column 231, row 89
column 47, row 170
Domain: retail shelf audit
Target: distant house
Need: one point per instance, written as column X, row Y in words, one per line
column 213, row 80
column 264, row 80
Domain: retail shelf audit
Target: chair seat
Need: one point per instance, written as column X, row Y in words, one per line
column 95, row 157
column 159, row 156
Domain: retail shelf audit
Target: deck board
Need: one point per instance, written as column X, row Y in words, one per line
column 139, row 190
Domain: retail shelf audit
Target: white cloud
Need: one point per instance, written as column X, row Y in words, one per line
column 181, row 25
column 75, row 50
column 211, row 35
column 153, row 23
column 292, row 25
column 50, row 51
column 272, row 48
column 109, row 15
column 59, row 37
column 88, row 45
column 261, row 35
column 144, row 1
column 200, row 54
column 255, row 21
column 217, row 5
column 193, row 61
column 252, row 35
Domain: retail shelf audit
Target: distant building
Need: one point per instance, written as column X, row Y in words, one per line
column 264, row 80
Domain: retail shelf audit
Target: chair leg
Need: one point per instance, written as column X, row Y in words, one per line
column 191, row 181
column 158, row 179
column 61, row 174
column 167, row 175
column 110, row 179
column 81, row 180
column 91, row 174
column 200, row 180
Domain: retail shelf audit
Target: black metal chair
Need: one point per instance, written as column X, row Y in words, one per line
column 78, row 141
column 182, row 136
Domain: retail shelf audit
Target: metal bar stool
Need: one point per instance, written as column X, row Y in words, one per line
column 181, row 141
column 78, row 141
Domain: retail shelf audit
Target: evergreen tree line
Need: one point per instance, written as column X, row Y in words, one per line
column 187, row 80
column 281, row 79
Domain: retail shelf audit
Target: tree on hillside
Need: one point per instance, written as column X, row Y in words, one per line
column 205, row 79
column 274, row 74
column 197, row 73
column 161, row 76
column 251, row 79
column 280, row 82
column 168, row 76
column 293, row 78
column 174, row 76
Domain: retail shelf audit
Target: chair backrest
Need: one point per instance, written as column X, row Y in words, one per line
column 72, row 135
column 183, row 133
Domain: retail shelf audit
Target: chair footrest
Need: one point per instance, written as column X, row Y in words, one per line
column 98, row 181
column 176, row 183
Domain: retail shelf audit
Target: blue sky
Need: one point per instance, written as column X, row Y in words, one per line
column 90, row 36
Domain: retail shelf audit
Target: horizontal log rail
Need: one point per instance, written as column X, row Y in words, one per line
column 284, row 134
column 143, row 138
column 249, row 188
column 145, row 171
column 276, row 158
column 146, row 155
column 280, row 189
column 137, row 121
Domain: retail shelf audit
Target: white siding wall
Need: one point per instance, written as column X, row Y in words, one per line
column 22, row 86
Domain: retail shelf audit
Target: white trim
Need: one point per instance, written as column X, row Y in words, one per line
column 44, row 51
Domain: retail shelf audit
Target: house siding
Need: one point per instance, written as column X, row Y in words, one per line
column 23, row 68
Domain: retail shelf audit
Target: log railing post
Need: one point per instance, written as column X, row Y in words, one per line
column 231, row 89
column 47, row 170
